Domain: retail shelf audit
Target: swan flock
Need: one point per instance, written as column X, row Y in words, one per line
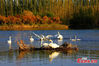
column 43, row 38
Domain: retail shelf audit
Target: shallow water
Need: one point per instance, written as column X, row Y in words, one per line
column 88, row 47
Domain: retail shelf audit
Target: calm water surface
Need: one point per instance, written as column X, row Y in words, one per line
column 88, row 47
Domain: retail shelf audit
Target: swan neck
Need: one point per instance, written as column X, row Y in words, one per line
column 58, row 33
column 41, row 41
column 9, row 38
column 31, row 36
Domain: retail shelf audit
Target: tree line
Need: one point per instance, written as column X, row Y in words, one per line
column 65, row 9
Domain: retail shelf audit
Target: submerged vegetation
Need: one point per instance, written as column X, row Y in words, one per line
column 75, row 13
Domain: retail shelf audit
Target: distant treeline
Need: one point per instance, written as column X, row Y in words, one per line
column 75, row 13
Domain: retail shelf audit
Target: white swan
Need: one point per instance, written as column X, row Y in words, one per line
column 75, row 39
column 9, row 41
column 59, row 36
column 53, row 45
column 31, row 39
column 45, row 44
column 53, row 55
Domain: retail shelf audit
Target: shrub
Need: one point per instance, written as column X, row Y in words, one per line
column 38, row 19
column 28, row 18
column 3, row 20
column 45, row 20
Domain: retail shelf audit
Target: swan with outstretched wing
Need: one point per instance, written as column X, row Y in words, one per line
column 42, row 37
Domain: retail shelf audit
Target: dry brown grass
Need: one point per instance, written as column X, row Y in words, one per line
column 34, row 27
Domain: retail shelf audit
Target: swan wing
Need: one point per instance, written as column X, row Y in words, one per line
column 37, row 35
column 56, row 35
column 42, row 36
column 53, row 45
column 45, row 45
column 48, row 36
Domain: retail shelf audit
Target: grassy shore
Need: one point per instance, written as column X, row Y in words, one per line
column 34, row 27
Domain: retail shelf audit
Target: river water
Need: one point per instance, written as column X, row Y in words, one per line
column 88, row 47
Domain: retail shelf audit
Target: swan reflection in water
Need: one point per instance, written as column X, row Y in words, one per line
column 50, row 54
column 43, row 55
column 22, row 54
column 53, row 56
column 56, row 54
